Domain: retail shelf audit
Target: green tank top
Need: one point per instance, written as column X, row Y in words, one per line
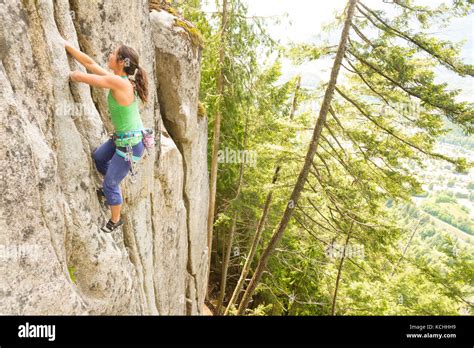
column 125, row 118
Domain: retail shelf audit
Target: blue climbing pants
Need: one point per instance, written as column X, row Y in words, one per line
column 114, row 168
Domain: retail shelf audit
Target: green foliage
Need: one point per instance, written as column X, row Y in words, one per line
column 444, row 198
column 300, row 53
column 448, row 210
column 456, row 137
column 387, row 112
column 72, row 273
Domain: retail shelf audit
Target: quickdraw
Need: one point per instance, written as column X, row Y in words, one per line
column 129, row 157
column 123, row 140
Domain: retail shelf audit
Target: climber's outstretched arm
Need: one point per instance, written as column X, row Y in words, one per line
column 113, row 82
column 85, row 60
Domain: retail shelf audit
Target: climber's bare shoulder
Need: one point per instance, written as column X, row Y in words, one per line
column 110, row 81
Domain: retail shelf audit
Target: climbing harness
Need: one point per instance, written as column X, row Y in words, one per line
column 124, row 140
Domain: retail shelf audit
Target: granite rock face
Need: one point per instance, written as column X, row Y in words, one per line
column 55, row 259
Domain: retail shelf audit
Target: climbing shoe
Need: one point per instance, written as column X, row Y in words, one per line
column 110, row 226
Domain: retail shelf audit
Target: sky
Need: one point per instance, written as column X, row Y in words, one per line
column 307, row 16
column 301, row 20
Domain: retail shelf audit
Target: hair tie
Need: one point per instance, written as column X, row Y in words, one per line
column 132, row 77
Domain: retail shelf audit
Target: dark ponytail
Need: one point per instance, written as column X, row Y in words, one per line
column 141, row 84
column 138, row 75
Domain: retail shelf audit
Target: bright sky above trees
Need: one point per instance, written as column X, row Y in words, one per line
column 300, row 21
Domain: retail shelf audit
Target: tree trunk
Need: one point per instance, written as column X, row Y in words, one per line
column 263, row 218
column 339, row 271
column 216, row 137
column 230, row 239
column 253, row 248
column 295, row 195
column 405, row 249
column 225, row 265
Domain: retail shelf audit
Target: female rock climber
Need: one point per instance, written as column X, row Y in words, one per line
column 113, row 159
